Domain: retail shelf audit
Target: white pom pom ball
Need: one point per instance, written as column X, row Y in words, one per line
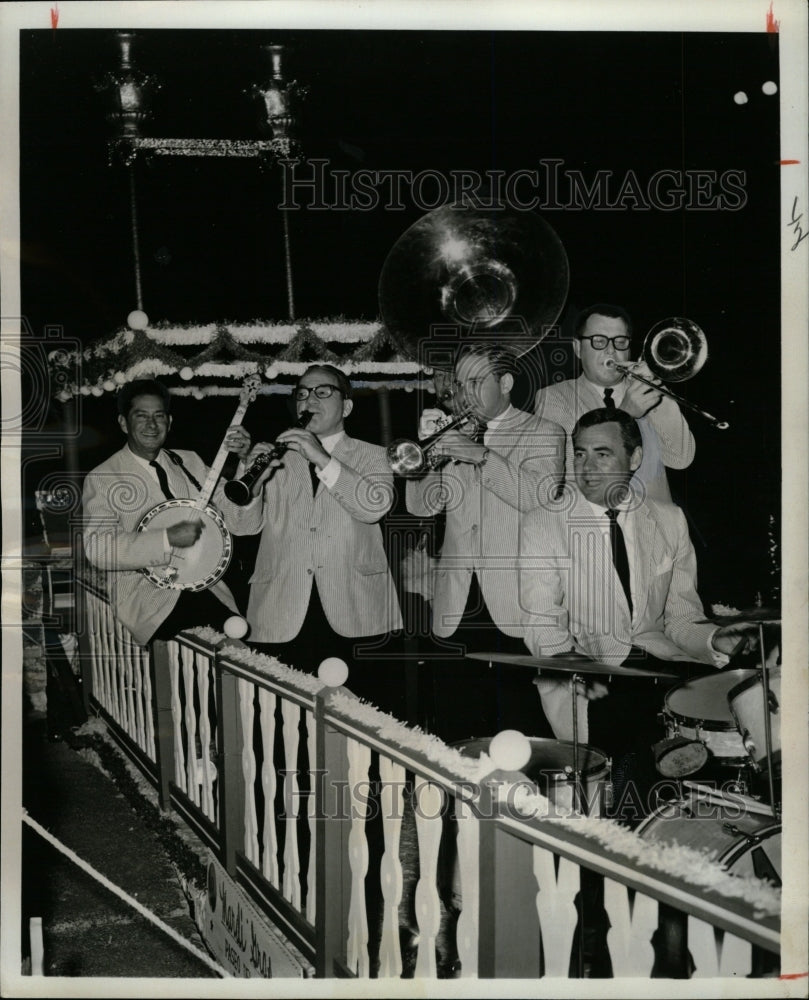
column 510, row 750
column 333, row 671
column 236, row 627
column 119, row 378
column 271, row 371
column 186, row 373
column 740, row 97
column 109, row 385
column 97, row 390
column 85, row 390
column 137, row 320
column 769, row 88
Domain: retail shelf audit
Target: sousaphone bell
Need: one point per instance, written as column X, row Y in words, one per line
column 493, row 273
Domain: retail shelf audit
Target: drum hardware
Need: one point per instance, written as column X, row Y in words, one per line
column 240, row 491
column 410, row 458
column 202, row 564
column 675, row 350
column 578, row 666
column 700, row 726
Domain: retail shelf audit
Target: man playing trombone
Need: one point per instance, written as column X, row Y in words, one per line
column 602, row 337
column 483, row 486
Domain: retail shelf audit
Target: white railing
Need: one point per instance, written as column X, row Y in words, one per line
column 318, row 803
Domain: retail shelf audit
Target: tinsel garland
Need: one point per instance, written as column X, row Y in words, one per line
column 229, row 353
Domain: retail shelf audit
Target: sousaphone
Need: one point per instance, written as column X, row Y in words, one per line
column 490, row 274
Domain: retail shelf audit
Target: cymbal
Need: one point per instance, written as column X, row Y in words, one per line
column 767, row 616
column 572, row 664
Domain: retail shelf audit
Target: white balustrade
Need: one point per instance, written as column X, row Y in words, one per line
column 717, row 952
column 428, row 802
column 468, row 847
column 246, row 690
column 392, row 804
column 359, row 762
column 291, row 884
column 633, row 921
column 311, row 874
column 207, row 768
column 176, row 714
column 269, row 852
column 556, row 908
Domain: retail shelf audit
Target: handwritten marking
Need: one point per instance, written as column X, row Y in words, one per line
column 797, row 229
column 784, row 162
column 793, row 975
column 772, row 24
column 55, row 17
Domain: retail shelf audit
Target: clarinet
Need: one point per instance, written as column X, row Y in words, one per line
column 240, row 491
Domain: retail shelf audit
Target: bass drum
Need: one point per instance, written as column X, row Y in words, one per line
column 738, row 832
column 551, row 769
column 746, row 701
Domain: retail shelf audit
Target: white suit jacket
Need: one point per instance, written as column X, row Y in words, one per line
column 667, row 439
column 572, row 598
column 483, row 509
column 333, row 538
column 116, row 495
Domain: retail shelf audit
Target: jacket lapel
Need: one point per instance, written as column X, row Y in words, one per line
column 645, row 556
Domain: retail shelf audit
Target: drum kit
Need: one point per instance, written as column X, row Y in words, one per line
column 725, row 723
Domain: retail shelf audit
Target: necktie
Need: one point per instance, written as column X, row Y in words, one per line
column 315, row 480
column 163, row 479
column 480, row 433
column 609, row 402
column 619, row 555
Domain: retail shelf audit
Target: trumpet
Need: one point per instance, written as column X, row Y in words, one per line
column 675, row 350
column 412, row 458
column 240, row 491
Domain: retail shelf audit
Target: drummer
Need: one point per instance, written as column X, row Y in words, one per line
column 611, row 575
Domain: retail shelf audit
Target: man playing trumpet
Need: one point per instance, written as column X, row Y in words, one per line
column 484, row 486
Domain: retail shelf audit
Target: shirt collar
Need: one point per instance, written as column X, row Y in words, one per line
column 509, row 413
column 599, row 510
column 330, row 443
column 618, row 390
column 143, row 461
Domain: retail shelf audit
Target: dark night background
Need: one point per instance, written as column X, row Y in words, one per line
column 211, row 247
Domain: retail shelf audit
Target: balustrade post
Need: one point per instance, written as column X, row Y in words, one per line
column 164, row 722
column 487, row 880
column 85, row 649
column 229, row 764
column 333, row 875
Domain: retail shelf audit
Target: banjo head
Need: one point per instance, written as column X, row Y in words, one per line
column 202, row 564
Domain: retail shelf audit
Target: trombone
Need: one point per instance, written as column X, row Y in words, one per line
column 675, row 350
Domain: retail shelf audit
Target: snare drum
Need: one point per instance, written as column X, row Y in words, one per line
column 746, row 702
column 738, row 832
column 551, row 769
column 698, row 712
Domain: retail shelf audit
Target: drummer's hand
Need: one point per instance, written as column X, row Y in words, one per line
column 592, row 690
column 431, row 420
column 640, row 398
column 237, row 440
column 741, row 637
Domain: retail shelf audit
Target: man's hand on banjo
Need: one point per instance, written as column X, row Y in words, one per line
column 184, row 534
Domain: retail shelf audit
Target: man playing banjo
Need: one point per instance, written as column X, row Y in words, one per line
column 126, row 486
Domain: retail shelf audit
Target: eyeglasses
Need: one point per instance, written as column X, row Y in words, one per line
column 320, row 391
column 599, row 342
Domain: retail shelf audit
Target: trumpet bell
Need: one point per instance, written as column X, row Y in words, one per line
column 496, row 272
column 406, row 458
column 675, row 349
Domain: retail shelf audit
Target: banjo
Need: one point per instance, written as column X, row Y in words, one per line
column 202, row 564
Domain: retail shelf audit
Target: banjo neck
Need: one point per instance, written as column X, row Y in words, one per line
column 248, row 394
